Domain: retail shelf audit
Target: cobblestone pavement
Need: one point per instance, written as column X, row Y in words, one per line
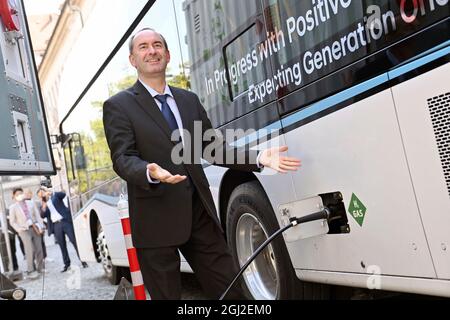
column 81, row 283
column 76, row 284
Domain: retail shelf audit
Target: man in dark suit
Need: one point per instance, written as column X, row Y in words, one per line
column 59, row 222
column 171, row 206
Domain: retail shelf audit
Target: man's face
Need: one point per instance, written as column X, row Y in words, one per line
column 28, row 195
column 18, row 196
column 150, row 57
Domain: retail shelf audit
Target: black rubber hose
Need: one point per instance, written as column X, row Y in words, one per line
column 254, row 255
column 324, row 214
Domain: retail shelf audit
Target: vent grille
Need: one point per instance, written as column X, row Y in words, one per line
column 197, row 23
column 440, row 116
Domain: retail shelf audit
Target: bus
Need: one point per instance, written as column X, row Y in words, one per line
column 359, row 90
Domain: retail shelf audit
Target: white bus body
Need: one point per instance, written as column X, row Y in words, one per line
column 380, row 137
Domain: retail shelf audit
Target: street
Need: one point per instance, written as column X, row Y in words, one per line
column 81, row 283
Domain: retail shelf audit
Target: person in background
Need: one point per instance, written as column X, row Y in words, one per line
column 42, row 196
column 59, row 220
column 12, row 243
column 15, row 234
column 24, row 220
column 34, row 204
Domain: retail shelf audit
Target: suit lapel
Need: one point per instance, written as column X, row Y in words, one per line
column 148, row 104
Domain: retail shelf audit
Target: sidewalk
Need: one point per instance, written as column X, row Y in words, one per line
column 75, row 284
column 79, row 283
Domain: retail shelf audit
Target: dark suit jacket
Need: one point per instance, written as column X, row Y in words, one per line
column 138, row 134
column 58, row 203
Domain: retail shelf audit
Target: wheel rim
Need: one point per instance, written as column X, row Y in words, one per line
column 103, row 252
column 261, row 276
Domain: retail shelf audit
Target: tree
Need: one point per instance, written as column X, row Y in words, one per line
column 122, row 84
column 180, row 80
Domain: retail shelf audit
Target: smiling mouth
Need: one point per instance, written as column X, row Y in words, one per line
column 151, row 61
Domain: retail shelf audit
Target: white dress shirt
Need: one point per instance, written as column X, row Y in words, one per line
column 54, row 214
column 170, row 101
column 173, row 107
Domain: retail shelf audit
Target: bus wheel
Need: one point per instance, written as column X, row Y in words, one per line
column 250, row 221
column 112, row 272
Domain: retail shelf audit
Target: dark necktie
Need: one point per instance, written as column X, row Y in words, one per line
column 167, row 113
column 170, row 118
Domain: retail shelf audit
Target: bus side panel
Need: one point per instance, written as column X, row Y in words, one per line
column 282, row 193
column 426, row 139
column 83, row 235
column 116, row 244
column 215, row 174
column 358, row 151
column 109, row 220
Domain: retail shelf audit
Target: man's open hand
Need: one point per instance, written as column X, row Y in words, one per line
column 272, row 158
column 158, row 173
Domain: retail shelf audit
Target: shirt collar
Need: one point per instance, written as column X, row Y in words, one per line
column 155, row 93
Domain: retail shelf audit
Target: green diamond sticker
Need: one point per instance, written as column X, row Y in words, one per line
column 357, row 209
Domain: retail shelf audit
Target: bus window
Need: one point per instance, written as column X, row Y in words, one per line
column 211, row 26
column 322, row 37
column 242, row 62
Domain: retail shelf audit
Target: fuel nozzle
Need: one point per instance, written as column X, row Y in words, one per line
column 331, row 219
column 320, row 215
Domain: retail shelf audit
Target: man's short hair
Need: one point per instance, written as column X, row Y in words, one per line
column 15, row 190
column 131, row 43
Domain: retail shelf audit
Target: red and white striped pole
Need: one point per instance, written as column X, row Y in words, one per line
column 135, row 270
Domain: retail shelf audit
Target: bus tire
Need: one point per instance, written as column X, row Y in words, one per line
column 250, row 221
column 113, row 273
